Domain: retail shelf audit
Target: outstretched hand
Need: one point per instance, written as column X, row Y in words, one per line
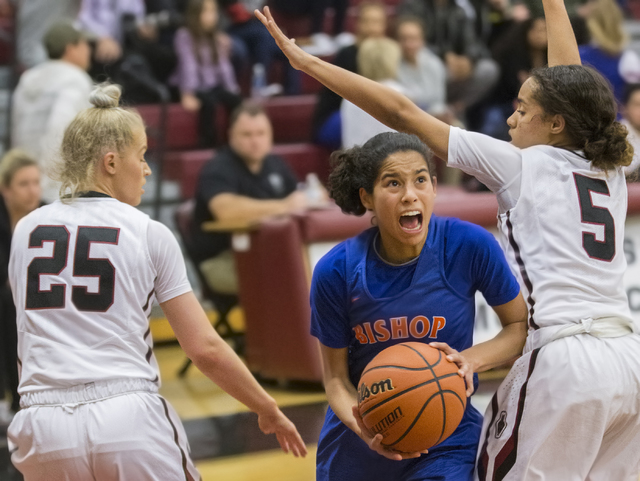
column 295, row 54
column 465, row 370
column 286, row 432
column 375, row 442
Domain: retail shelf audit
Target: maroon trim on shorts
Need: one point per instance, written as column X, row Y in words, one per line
column 506, row 458
column 483, row 460
column 187, row 475
column 523, row 271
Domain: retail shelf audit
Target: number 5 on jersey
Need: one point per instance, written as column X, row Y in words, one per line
column 604, row 250
column 83, row 266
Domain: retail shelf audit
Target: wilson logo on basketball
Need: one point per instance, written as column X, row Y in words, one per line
column 364, row 392
column 388, row 421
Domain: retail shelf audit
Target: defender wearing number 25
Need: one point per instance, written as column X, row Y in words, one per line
column 84, row 273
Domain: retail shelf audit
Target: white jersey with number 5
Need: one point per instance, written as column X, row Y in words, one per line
column 84, row 276
column 562, row 224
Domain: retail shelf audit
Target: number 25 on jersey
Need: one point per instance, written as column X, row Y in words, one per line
column 83, row 266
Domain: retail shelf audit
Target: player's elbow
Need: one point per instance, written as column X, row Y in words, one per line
column 207, row 352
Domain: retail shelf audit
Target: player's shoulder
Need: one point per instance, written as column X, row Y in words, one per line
column 461, row 234
column 458, row 228
column 332, row 263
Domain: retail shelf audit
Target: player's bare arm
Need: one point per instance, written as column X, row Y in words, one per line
column 342, row 397
column 387, row 105
column 563, row 48
column 506, row 346
column 218, row 362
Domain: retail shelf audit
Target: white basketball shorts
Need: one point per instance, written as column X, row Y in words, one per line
column 569, row 411
column 96, row 432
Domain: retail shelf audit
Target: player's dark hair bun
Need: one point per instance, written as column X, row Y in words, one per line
column 585, row 100
column 359, row 167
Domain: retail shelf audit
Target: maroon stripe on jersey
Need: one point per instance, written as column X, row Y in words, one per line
column 144, row 308
column 187, row 475
column 523, row 271
column 149, row 354
column 506, row 458
column 483, row 461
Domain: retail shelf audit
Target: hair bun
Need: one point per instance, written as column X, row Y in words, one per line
column 105, row 96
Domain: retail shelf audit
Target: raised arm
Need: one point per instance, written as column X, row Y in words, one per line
column 388, row 106
column 563, row 47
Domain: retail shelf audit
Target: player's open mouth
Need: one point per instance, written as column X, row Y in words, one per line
column 411, row 221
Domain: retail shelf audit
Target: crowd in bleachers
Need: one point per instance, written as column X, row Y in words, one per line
column 462, row 60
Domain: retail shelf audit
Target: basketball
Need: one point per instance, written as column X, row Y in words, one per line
column 411, row 395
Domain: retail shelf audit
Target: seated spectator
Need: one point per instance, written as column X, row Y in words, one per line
column 168, row 16
column 33, row 19
column 319, row 43
column 501, row 16
column 127, row 48
column 422, row 73
column 243, row 182
column 20, row 194
column 204, row 75
column 378, row 60
column 48, row 97
column 252, row 41
column 371, row 23
column 631, row 119
column 607, row 51
column 450, row 33
column 522, row 49
column 103, row 19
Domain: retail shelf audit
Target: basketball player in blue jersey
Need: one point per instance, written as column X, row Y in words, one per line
column 570, row 407
column 412, row 277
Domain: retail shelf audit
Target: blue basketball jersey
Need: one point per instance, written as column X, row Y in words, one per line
column 362, row 303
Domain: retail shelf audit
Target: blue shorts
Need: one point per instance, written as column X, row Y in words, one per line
column 344, row 456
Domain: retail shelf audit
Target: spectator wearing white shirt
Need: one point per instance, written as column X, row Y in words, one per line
column 422, row 73
column 48, row 97
column 378, row 60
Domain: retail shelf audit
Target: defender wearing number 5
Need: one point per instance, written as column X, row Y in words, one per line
column 570, row 408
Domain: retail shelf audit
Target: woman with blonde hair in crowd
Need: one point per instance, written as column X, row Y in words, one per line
column 84, row 273
column 20, row 194
column 378, row 59
column 608, row 52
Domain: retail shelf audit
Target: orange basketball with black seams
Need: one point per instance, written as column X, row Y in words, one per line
column 411, row 395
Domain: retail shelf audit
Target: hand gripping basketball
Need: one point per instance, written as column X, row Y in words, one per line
column 411, row 397
column 375, row 442
column 465, row 371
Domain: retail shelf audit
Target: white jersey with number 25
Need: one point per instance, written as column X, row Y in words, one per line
column 84, row 276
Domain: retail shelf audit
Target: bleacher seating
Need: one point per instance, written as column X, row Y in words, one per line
column 291, row 120
column 290, row 116
column 303, row 158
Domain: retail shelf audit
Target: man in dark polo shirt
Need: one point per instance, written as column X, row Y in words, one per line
column 243, row 182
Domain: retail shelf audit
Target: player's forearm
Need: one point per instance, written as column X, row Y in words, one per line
column 383, row 103
column 342, row 398
column 241, row 208
column 220, row 364
column 506, row 346
column 562, row 45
